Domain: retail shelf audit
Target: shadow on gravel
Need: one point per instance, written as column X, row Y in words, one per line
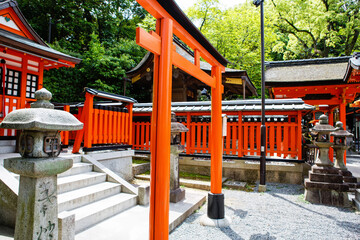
column 231, row 233
column 266, row 236
column 238, row 212
column 349, row 226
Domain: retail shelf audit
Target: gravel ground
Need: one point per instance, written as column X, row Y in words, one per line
column 279, row 213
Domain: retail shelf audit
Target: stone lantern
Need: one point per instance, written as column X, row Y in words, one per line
column 325, row 185
column 39, row 145
column 340, row 147
column 322, row 130
column 176, row 193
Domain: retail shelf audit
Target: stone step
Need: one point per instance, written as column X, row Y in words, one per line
column 77, row 168
column 7, row 142
column 357, row 194
column 326, row 186
column 329, row 178
column 98, row 211
column 356, row 203
column 7, row 149
column 350, row 179
column 83, row 196
column 75, row 158
column 81, row 180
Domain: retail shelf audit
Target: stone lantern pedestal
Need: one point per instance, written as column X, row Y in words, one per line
column 340, row 147
column 325, row 184
column 36, row 216
column 39, row 146
column 176, row 193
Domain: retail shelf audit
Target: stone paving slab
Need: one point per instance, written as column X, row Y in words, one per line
column 190, row 183
column 133, row 224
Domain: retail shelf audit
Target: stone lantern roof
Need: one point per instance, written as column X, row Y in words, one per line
column 323, row 125
column 41, row 116
column 177, row 127
column 340, row 132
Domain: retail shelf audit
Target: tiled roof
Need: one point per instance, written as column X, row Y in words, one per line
column 236, row 105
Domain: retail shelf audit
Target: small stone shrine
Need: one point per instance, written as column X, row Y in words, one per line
column 39, row 144
column 325, row 184
column 340, row 147
column 176, row 193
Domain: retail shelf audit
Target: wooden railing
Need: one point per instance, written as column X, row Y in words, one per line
column 105, row 123
column 9, row 104
column 242, row 138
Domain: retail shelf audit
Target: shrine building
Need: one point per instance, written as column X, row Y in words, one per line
column 23, row 58
column 186, row 87
column 330, row 84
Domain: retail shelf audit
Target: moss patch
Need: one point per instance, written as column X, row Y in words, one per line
column 194, row 176
column 139, row 161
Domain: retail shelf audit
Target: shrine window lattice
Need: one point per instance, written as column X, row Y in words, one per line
column 12, row 82
column 31, row 85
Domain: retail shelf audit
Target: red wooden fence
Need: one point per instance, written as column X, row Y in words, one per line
column 242, row 138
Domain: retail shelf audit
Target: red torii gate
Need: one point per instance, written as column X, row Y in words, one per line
column 171, row 20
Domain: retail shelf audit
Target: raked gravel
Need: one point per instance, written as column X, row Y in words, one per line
column 279, row 213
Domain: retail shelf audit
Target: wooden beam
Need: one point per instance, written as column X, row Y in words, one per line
column 192, row 69
column 156, row 10
column 148, row 41
column 152, row 43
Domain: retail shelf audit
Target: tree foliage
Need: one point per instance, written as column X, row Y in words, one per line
column 100, row 32
column 235, row 33
column 316, row 28
column 294, row 29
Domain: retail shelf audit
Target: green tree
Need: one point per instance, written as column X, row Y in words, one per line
column 235, row 33
column 316, row 28
column 100, row 32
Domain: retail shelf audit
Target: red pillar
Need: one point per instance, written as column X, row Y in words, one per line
column 161, row 124
column 342, row 112
column 216, row 208
column 331, row 122
column 216, row 132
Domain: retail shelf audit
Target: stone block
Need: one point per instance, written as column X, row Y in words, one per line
column 144, row 195
column 345, row 173
column 329, row 178
column 66, row 222
column 312, row 195
column 140, row 168
column 324, row 170
column 350, row 179
column 177, row 195
column 120, row 162
column 326, row 186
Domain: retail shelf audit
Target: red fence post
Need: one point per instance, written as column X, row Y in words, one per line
column 88, row 120
column 299, row 136
column 66, row 133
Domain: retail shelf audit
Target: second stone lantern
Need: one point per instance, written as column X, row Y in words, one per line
column 340, row 146
column 176, row 193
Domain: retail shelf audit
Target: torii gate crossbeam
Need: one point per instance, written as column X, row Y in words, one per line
column 160, row 43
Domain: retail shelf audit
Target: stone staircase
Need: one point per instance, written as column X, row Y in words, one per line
column 89, row 196
column 92, row 196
